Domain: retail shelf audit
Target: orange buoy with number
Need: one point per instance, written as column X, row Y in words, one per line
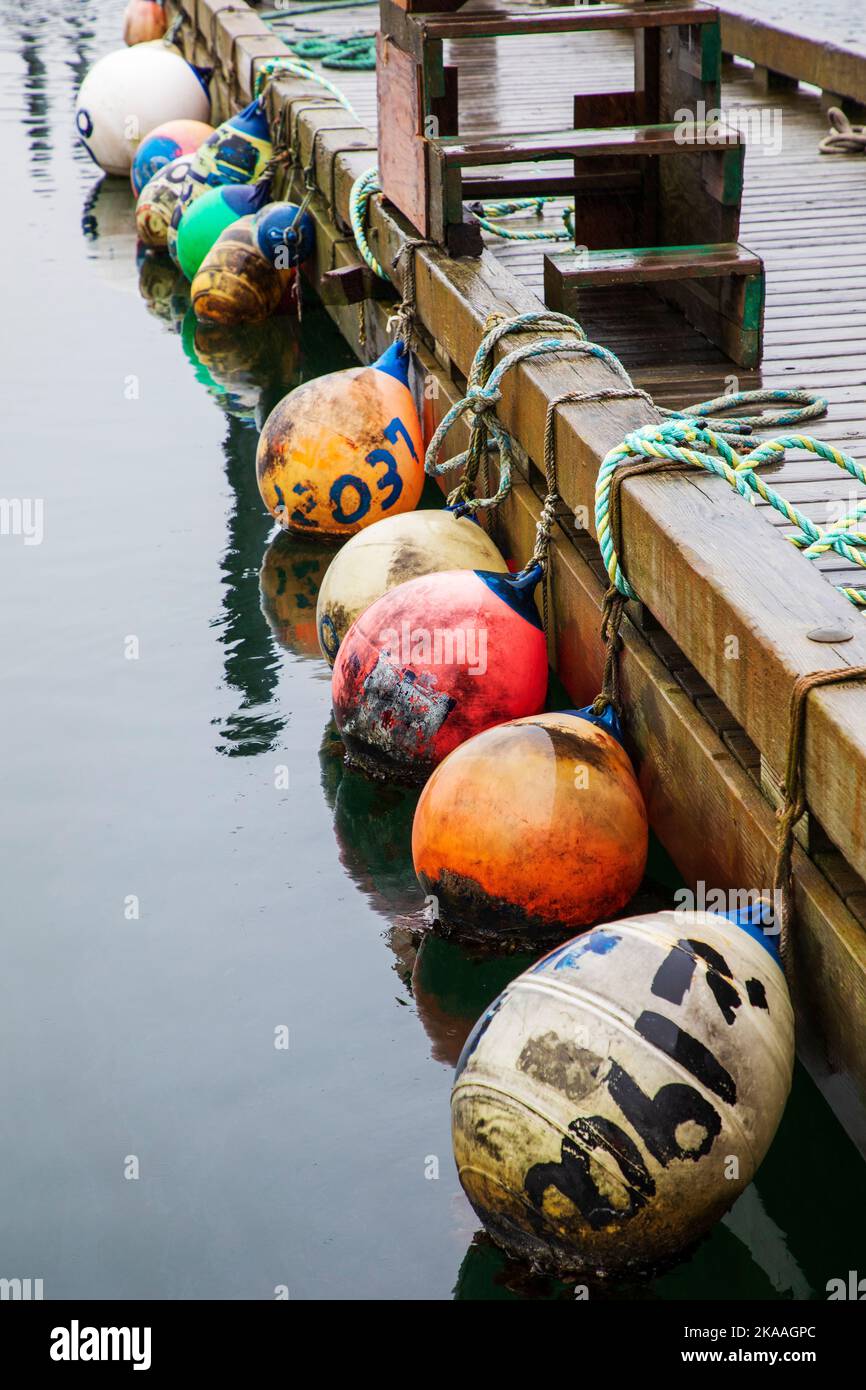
column 618, row 1096
column 435, row 661
column 531, row 829
column 344, row 450
column 388, row 553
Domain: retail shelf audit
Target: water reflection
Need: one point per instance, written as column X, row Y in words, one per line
column 164, row 289
column 246, row 369
column 108, row 226
column 292, row 571
column 251, row 665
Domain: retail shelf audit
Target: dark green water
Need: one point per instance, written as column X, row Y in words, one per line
column 260, row 907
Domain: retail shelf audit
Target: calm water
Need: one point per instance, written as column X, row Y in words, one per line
column 160, row 672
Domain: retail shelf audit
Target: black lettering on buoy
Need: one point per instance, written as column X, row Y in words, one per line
column 674, row 976
column 572, row 1176
column 757, row 995
column 681, row 1047
column 657, row 1119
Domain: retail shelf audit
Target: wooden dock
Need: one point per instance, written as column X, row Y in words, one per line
column 710, row 731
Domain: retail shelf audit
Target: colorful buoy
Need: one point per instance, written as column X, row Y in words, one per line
column 616, row 1099
column 163, row 146
column 388, row 553
column 435, row 661
column 283, row 237
column 235, row 284
column 237, row 153
column 128, row 93
column 157, row 200
column 143, row 21
column 531, row 829
column 207, row 217
column 344, row 450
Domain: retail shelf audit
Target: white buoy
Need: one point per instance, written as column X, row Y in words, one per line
column 617, row 1097
column 388, row 553
column 129, row 92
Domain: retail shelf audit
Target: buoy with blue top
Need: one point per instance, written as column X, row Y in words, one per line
column 285, row 234
column 435, row 661
column 532, row 829
column 238, row 152
column 234, row 283
column 615, row 1100
column 128, row 93
column 388, row 553
column 344, row 450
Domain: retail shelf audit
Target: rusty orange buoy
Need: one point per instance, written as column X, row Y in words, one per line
column 435, row 661
column 339, row 452
column 143, row 21
column 531, row 829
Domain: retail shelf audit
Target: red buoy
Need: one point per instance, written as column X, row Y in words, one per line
column 435, row 661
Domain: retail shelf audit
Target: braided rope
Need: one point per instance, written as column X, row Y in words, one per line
column 296, row 67
column 675, row 441
column 362, row 190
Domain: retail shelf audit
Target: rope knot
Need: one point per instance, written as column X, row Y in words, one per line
column 480, row 399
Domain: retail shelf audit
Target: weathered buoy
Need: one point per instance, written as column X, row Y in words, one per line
column 284, row 238
column 531, row 829
column 344, row 450
column 435, row 661
column 388, row 553
column 128, row 93
column 205, row 219
column 617, row 1098
column 156, row 202
column 163, row 146
column 143, row 21
column 235, row 284
column 236, row 153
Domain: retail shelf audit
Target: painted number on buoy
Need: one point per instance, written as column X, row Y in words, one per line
column 390, row 481
column 655, row 1118
column 338, row 487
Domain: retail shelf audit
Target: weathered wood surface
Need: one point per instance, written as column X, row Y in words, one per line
column 702, row 560
column 822, row 44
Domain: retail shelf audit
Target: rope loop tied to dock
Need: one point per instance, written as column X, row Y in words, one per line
column 686, row 445
column 275, row 68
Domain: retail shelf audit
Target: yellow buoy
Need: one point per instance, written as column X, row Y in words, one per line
column 344, row 450
column 391, row 551
column 618, row 1096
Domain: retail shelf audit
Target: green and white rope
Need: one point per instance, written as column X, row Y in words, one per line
column 296, row 67
column 698, row 446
